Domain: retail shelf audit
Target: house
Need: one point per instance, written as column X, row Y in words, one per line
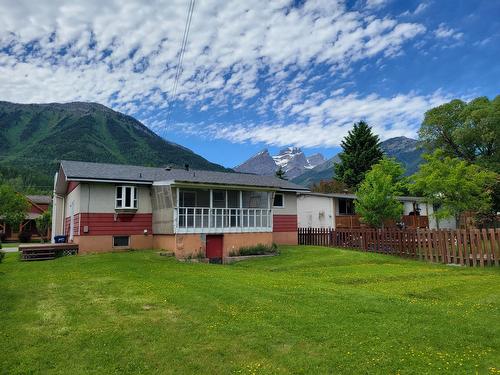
column 103, row 207
column 336, row 210
column 38, row 204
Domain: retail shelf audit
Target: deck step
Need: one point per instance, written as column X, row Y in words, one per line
column 39, row 258
column 38, row 255
column 46, row 251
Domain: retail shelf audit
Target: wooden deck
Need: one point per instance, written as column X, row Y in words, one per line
column 46, row 251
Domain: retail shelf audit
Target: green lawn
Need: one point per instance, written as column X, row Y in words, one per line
column 310, row 310
column 10, row 244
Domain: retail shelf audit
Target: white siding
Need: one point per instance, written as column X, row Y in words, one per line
column 73, row 198
column 315, row 211
column 290, row 207
column 448, row 223
column 102, row 198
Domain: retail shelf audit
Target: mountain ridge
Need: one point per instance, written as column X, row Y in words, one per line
column 34, row 137
column 404, row 149
column 291, row 159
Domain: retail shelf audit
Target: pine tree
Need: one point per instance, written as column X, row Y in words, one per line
column 281, row 174
column 360, row 150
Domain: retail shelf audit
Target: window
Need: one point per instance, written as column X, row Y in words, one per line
column 121, row 241
column 126, row 197
column 255, row 199
column 346, row 206
column 187, row 198
column 279, row 200
column 219, row 198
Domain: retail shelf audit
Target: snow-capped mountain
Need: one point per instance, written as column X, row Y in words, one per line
column 405, row 150
column 291, row 159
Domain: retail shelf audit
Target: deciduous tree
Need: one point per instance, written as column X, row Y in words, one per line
column 468, row 131
column 13, row 206
column 454, row 185
column 376, row 197
column 330, row 186
column 43, row 223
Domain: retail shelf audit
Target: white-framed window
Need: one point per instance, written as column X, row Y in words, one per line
column 126, row 197
column 279, row 200
column 121, row 241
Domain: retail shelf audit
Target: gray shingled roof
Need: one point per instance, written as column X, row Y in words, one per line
column 40, row 199
column 75, row 170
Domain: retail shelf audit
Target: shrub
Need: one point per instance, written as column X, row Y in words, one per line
column 259, row 249
column 24, row 237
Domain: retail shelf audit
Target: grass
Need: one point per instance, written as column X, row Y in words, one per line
column 10, row 244
column 310, row 310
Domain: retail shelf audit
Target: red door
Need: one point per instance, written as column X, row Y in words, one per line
column 214, row 248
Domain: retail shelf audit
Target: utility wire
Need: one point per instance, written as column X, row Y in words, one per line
column 182, row 50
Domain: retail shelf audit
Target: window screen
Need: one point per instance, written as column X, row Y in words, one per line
column 121, row 241
column 219, row 198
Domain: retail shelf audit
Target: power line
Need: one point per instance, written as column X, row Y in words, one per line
column 182, row 49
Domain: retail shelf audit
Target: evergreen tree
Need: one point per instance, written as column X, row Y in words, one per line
column 281, row 174
column 360, row 150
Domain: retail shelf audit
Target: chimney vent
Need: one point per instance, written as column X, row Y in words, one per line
column 168, row 168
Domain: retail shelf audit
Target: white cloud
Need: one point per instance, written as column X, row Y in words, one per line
column 420, row 8
column 259, row 55
column 444, row 32
column 376, row 3
column 94, row 50
column 326, row 121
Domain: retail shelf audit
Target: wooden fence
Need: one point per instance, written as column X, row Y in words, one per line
column 472, row 247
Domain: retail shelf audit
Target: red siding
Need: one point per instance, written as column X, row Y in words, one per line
column 284, row 223
column 71, row 186
column 67, row 224
column 116, row 224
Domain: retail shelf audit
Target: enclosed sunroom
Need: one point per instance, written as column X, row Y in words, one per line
column 211, row 210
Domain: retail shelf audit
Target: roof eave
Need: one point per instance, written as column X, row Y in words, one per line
column 110, row 180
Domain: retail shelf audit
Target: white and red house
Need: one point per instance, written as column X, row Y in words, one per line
column 107, row 206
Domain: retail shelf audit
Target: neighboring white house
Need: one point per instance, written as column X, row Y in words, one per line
column 318, row 210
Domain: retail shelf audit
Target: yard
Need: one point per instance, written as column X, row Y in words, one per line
column 310, row 310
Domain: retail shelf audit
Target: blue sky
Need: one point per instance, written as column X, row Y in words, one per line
column 255, row 74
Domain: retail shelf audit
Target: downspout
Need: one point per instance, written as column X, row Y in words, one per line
column 54, row 210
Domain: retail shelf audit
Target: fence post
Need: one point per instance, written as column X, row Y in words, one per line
column 494, row 257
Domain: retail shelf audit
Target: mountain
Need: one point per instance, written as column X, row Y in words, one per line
column 291, row 159
column 404, row 149
column 261, row 163
column 34, row 137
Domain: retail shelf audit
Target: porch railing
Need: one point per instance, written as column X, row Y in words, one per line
column 207, row 220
